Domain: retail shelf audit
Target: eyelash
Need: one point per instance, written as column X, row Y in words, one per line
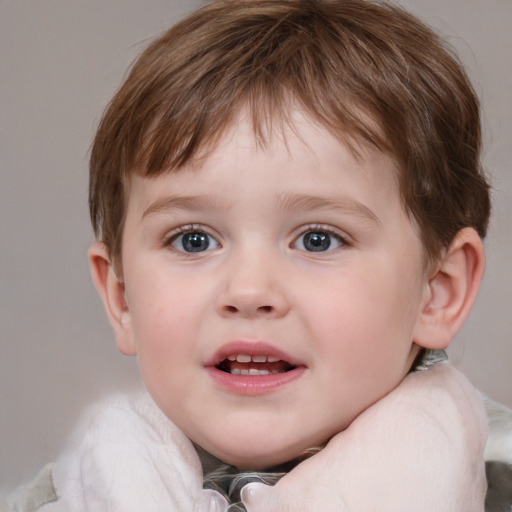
column 318, row 228
column 171, row 238
column 342, row 241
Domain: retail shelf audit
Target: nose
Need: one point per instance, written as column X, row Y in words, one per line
column 253, row 288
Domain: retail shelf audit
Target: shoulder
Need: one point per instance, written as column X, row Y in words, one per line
column 439, row 402
column 124, row 456
column 34, row 495
column 421, row 447
column 498, row 455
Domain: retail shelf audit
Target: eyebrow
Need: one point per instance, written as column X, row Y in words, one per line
column 165, row 204
column 289, row 202
column 305, row 202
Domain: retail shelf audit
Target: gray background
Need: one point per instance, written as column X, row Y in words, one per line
column 60, row 62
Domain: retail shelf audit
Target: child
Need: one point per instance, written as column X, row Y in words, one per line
column 290, row 207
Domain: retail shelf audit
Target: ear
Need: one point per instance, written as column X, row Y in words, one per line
column 451, row 292
column 112, row 292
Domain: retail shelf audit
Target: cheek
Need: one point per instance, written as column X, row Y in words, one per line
column 363, row 318
column 169, row 314
column 164, row 328
column 158, row 313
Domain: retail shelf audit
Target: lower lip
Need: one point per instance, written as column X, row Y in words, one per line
column 254, row 384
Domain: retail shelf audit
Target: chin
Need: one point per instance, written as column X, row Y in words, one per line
column 257, row 460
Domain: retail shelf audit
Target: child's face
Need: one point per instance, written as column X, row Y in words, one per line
column 296, row 253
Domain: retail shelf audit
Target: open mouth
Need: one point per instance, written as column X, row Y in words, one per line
column 253, row 368
column 255, row 365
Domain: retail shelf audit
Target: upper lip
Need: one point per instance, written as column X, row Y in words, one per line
column 251, row 348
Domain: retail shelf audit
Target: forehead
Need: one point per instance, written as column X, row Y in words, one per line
column 296, row 155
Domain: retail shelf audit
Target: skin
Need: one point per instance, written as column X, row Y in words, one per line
column 350, row 317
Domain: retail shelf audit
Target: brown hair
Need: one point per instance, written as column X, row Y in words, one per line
column 364, row 70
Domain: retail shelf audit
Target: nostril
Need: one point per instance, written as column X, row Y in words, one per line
column 265, row 309
column 231, row 309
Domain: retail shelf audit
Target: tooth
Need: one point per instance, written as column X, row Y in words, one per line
column 243, row 358
column 271, row 359
column 254, row 371
column 231, row 357
column 236, row 371
column 259, row 359
column 245, row 372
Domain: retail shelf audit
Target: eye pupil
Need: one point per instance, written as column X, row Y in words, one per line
column 317, row 241
column 195, row 242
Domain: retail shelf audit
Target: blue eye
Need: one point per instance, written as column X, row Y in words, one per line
column 194, row 241
column 318, row 241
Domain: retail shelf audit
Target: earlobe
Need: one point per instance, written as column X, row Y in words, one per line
column 112, row 292
column 451, row 291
